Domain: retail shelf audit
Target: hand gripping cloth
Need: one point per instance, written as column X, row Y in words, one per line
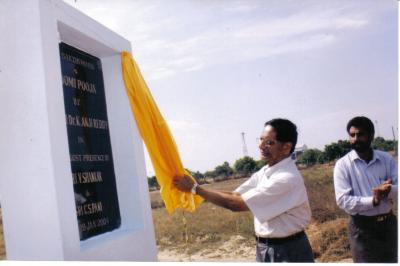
column 158, row 139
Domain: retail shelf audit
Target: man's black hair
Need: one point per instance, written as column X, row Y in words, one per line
column 361, row 122
column 285, row 130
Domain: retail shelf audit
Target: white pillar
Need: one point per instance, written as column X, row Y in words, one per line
column 36, row 189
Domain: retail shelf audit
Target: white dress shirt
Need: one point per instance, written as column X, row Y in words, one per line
column 278, row 199
column 354, row 180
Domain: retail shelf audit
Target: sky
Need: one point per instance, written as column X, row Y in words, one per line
column 221, row 68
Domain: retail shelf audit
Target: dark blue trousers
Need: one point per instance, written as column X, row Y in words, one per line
column 373, row 239
column 293, row 250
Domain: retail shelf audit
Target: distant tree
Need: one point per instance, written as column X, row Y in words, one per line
column 260, row 164
column 336, row 150
column 380, row 143
column 245, row 165
column 331, row 151
column 199, row 176
column 310, row 157
column 223, row 170
column 322, row 158
column 344, row 147
column 210, row 174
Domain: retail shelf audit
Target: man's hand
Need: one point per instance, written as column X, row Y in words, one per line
column 183, row 183
column 382, row 191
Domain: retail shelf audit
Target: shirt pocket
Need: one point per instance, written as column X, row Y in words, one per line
column 381, row 174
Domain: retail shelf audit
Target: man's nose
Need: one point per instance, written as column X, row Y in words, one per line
column 262, row 145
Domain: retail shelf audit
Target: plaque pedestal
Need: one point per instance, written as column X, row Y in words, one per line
column 40, row 207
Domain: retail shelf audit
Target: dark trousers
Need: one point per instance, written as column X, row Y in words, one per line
column 372, row 239
column 293, row 250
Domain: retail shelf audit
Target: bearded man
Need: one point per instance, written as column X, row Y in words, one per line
column 365, row 183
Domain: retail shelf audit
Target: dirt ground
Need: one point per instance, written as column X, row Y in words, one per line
column 232, row 250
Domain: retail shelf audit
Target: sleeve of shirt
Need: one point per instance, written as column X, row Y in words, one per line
column 249, row 184
column 272, row 199
column 393, row 176
column 343, row 191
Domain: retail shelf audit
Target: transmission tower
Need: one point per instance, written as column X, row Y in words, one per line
column 245, row 152
column 394, row 142
column 394, row 136
column 377, row 128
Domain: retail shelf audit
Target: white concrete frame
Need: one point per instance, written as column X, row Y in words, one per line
column 36, row 190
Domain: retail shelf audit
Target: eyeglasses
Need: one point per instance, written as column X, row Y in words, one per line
column 266, row 142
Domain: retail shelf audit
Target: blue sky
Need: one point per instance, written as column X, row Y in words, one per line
column 219, row 68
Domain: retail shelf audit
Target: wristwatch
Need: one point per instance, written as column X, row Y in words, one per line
column 193, row 190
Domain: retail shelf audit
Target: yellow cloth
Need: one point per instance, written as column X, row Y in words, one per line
column 158, row 139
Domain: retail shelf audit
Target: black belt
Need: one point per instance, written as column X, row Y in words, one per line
column 372, row 219
column 280, row 240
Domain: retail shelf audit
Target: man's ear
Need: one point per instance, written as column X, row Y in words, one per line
column 287, row 147
column 371, row 137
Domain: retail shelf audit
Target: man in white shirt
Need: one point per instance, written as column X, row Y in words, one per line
column 275, row 195
column 366, row 185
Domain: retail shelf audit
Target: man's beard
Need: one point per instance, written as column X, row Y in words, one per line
column 360, row 147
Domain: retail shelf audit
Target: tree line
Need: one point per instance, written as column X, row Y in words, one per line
column 246, row 166
column 338, row 149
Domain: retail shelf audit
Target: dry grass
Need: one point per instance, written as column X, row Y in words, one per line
column 328, row 229
column 329, row 240
column 203, row 231
column 321, row 194
column 209, row 226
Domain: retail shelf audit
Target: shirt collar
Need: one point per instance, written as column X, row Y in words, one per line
column 268, row 170
column 354, row 156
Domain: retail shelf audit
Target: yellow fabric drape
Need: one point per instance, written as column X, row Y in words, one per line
column 157, row 138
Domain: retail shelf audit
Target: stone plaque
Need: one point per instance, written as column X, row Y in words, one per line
column 90, row 151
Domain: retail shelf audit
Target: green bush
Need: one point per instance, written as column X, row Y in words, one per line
column 245, row 165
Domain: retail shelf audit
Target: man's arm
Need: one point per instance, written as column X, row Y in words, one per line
column 343, row 191
column 229, row 200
